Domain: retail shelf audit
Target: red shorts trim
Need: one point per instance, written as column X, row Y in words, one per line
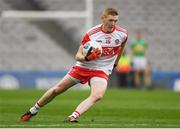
column 85, row 74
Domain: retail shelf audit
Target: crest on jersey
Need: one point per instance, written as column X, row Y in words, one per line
column 117, row 41
column 108, row 40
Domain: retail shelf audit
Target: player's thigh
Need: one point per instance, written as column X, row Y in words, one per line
column 98, row 86
column 65, row 83
column 147, row 70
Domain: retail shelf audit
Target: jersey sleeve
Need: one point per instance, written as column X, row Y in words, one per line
column 126, row 38
column 125, row 41
column 85, row 39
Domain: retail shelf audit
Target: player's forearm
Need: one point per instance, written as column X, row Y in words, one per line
column 119, row 56
column 116, row 62
column 80, row 57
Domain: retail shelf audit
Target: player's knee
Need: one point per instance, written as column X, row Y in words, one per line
column 57, row 90
column 97, row 97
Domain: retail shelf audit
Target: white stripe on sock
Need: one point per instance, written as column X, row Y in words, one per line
column 33, row 110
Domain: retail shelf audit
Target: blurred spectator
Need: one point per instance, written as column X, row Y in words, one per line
column 141, row 69
column 123, row 70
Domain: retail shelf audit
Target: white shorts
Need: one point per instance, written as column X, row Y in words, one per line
column 93, row 79
column 85, row 74
column 139, row 63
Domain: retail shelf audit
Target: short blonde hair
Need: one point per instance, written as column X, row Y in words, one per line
column 110, row 11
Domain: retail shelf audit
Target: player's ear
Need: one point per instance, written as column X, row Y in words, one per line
column 102, row 18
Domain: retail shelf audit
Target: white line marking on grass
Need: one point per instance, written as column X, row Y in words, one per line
column 37, row 125
column 83, row 125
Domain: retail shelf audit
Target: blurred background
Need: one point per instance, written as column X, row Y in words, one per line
column 39, row 38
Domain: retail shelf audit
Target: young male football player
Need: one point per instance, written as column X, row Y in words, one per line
column 94, row 68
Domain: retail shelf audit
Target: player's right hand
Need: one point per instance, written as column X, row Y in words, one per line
column 94, row 55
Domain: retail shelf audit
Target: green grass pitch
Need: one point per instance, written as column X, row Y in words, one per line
column 120, row 108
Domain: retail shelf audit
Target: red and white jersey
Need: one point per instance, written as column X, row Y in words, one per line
column 111, row 45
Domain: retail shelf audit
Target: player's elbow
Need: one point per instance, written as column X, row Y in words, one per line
column 79, row 57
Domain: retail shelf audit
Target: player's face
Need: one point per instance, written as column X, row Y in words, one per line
column 138, row 35
column 109, row 22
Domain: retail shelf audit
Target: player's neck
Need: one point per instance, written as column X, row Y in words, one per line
column 106, row 29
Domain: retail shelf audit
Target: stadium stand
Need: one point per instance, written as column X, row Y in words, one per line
column 66, row 5
column 51, row 27
column 73, row 25
column 25, row 47
column 158, row 20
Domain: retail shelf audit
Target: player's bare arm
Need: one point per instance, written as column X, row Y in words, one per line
column 119, row 56
column 79, row 55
